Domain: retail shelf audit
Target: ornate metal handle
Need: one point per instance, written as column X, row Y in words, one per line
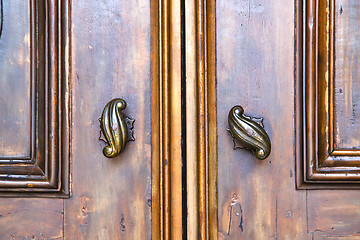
column 114, row 127
column 249, row 132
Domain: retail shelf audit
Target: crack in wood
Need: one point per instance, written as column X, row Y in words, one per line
column 122, row 223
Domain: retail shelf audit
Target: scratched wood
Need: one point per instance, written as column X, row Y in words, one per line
column 111, row 198
column 255, row 69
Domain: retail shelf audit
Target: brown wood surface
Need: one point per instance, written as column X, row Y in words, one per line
column 237, row 52
column 201, row 126
column 258, row 199
column 255, row 69
column 334, row 213
column 31, row 219
column 166, row 120
column 109, row 49
column 111, row 198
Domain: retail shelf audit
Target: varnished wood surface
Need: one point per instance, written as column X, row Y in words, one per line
column 111, row 198
column 334, row 213
column 201, row 120
column 166, row 120
column 258, row 200
column 132, row 50
column 255, row 68
column 31, row 219
column 200, row 106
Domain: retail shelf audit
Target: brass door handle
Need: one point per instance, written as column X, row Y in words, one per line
column 116, row 128
column 249, row 133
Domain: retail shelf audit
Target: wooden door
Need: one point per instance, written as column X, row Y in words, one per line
column 61, row 62
column 294, row 64
column 180, row 66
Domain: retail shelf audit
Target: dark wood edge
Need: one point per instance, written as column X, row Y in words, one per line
column 298, row 85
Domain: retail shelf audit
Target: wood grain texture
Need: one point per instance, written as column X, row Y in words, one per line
column 334, row 213
column 31, row 218
column 111, row 198
column 191, row 124
column 255, row 68
column 201, row 120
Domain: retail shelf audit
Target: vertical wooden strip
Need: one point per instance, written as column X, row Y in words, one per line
column 310, row 86
column 166, row 120
column 299, row 73
column 156, row 189
column 201, row 119
column 212, row 119
column 191, row 121
column 331, row 95
column 175, row 119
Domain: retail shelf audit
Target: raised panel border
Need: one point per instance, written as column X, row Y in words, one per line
column 318, row 164
column 46, row 173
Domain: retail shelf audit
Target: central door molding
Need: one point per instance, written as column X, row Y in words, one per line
column 166, row 122
column 201, row 140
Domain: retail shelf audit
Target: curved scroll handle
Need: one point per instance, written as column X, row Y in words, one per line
column 249, row 132
column 114, row 128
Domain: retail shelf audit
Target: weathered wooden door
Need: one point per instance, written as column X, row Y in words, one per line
column 61, row 62
column 181, row 66
column 294, row 64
